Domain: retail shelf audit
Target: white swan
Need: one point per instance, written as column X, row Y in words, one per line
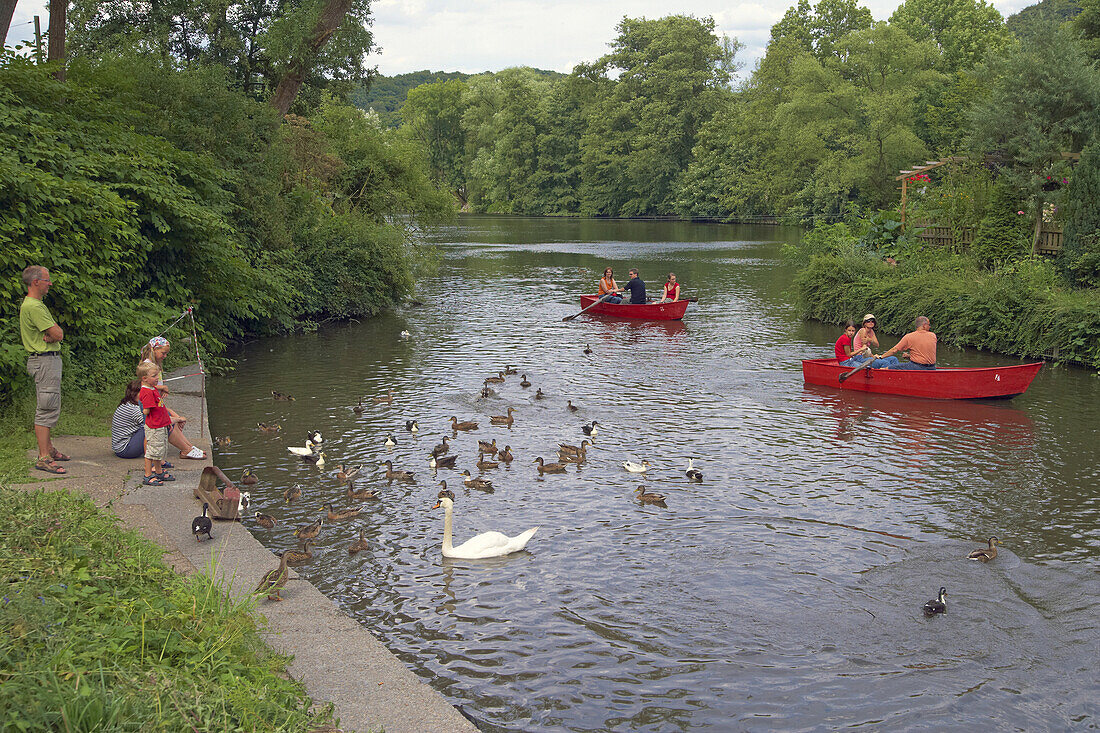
column 486, row 544
column 633, row 467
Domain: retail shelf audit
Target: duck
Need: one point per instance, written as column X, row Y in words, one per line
column 393, row 475
column 309, row 531
column 359, row 545
column 390, row 441
column 359, row 409
column 487, row 544
column 301, row 556
column 339, row 516
column 503, row 419
column 936, row 605
column 281, row 397
column 566, row 448
column 985, row 554
column 467, row 425
column 486, row 392
column 495, row 380
column 273, row 581
column 313, row 439
column 509, row 369
column 294, row 492
column 647, row 498
column 523, row 381
column 202, row 525
column 315, row 458
column 265, row 520
column 248, row 478
column 242, row 502
column 343, row 474
column 411, row 426
column 591, row 429
column 539, row 394
column 223, row 441
column 441, row 461
column 484, row 465
column 505, row 456
column 404, row 334
column 693, row 473
column 550, row 467
column 476, row 483
column 587, row 350
column 570, row 406
column 441, row 448
column 359, row 495
column 634, row 467
column 577, row 458
column 388, row 399
column 272, row 428
column 488, row 447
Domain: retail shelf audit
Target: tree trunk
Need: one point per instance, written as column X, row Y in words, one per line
column 55, row 51
column 331, row 17
column 7, row 9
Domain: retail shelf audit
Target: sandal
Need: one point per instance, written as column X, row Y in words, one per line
column 58, row 455
column 47, row 465
column 152, row 481
column 166, row 464
column 165, row 476
column 195, row 454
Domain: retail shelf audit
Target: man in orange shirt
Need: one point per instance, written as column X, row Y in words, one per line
column 921, row 345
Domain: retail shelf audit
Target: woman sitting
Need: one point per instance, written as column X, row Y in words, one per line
column 672, row 290
column 608, row 285
column 128, row 425
column 156, row 351
column 866, row 341
column 844, row 347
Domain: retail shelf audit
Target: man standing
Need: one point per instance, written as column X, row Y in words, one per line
column 921, row 345
column 636, row 288
column 42, row 340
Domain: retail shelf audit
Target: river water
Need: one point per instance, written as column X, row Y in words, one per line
column 784, row 592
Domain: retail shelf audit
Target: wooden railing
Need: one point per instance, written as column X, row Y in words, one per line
column 1048, row 240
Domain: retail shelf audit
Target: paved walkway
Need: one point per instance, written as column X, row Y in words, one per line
column 337, row 659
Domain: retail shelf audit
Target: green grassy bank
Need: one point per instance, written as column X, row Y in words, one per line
column 97, row 633
column 1024, row 310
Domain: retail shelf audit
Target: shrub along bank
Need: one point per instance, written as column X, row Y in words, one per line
column 1024, row 309
column 97, row 633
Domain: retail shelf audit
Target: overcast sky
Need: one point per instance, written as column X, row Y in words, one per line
column 484, row 35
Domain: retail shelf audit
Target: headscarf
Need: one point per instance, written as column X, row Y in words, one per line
column 157, row 341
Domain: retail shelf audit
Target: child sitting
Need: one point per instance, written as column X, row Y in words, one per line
column 157, row 424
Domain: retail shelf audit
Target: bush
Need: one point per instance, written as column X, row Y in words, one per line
column 1080, row 257
column 1002, row 235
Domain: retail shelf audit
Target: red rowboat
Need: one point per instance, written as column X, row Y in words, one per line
column 941, row 384
column 649, row 311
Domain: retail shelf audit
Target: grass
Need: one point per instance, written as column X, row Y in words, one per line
column 97, row 633
column 82, row 413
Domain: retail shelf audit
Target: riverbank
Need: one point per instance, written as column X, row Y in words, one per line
column 1021, row 311
column 334, row 658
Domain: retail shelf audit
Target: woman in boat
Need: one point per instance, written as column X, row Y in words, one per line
column 155, row 351
column 843, row 346
column 608, row 285
column 672, row 290
column 864, row 343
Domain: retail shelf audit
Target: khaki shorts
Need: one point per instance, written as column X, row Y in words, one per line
column 156, row 443
column 46, row 371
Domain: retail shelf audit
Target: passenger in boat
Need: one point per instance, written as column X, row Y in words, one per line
column 921, row 345
column 843, row 346
column 608, row 285
column 672, row 290
column 636, row 288
column 864, row 339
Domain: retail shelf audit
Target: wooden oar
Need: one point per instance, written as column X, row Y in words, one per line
column 569, row 318
column 864, row 365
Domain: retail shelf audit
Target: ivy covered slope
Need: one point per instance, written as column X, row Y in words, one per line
column 97, row 633
column 146, row 189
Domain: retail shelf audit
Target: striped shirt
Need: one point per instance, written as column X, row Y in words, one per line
column 127, row 420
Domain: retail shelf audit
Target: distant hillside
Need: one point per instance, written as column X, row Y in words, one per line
column 386, row 94
column 1036, row 19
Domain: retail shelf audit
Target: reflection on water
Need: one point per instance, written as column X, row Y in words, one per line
column 783, row 592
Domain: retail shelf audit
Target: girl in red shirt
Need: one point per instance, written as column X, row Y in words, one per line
column 672, row 290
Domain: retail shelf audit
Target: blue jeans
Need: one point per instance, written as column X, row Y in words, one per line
column 615, row 299
column 135, row 448
column 917, row 367
column 890, row 362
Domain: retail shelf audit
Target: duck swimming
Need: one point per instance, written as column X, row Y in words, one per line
column 393, row 475
column 505, row 455
column 348, row 474
column 544, row 467
column 647, row 498
column 441, row 461
column 359, row 495
column 476, row 483
column 412, row 426
column 539, row 394
column 590, row 429
column 248, row 478
column 570, row 406
column 566, row 448
column 985, row 554
column 390, row 441
column 292, row 493
column 309, row 531
column 301, row 556
column 441, row 448
column 633, row 467
column 692, row 473
column 487, row 544
column 272, row 428
column 265, row 520
column 466, row 425
column 487, row 447
column 523, row 381
column 359, row 545
column 495, row 380
column 936, row 605
column 339, row 516
column 503, row 419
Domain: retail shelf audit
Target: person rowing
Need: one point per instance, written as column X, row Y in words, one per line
column 636, row 288
column 921, row 345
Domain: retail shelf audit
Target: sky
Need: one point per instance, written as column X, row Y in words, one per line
column 490, row 35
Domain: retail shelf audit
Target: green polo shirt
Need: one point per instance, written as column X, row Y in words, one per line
column 34, row 321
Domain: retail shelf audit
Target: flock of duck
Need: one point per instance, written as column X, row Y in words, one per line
column 489, row 456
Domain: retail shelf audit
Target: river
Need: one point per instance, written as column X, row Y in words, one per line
column 784, row 592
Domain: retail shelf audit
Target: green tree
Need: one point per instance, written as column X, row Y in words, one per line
column 817, row 29
column 432, row 114
column 1002, row 234
column 672, row 74
column 966, row 31
column 1080, row 257
column 1087, row 24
